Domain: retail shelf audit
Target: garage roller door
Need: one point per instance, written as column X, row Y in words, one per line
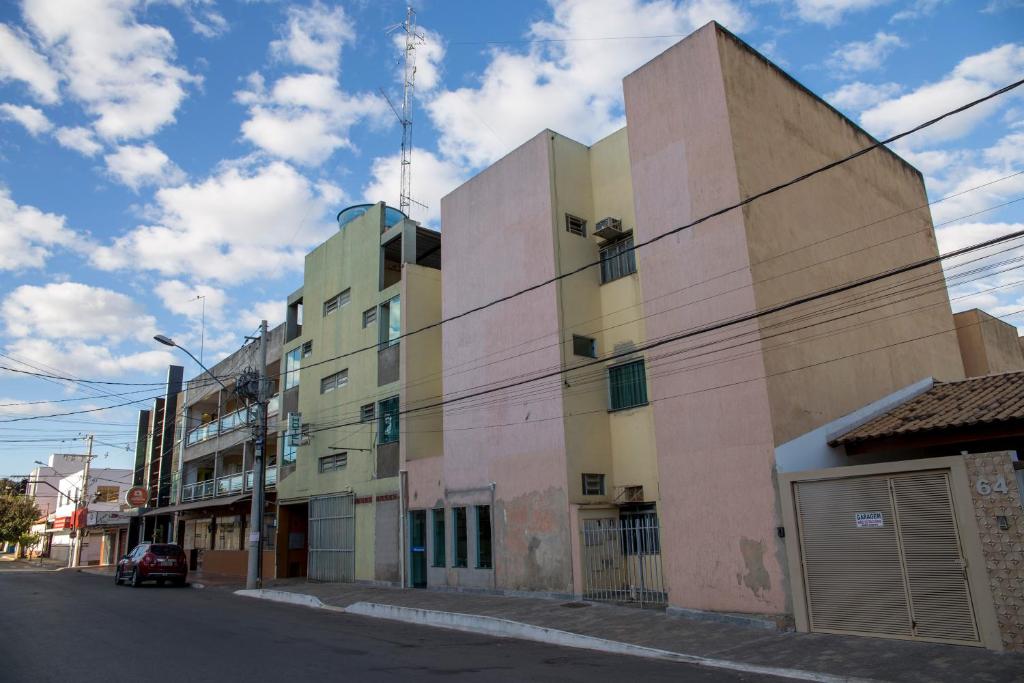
column 332, row 536
column 882, row 556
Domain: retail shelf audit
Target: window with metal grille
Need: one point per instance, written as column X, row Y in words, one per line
column 437, row 515
column 333, row 462
column 617, row 260
column 639, row 530
column 584, row 346
column 627, row 386
column 593, row 484
column 366, row 413
column 369, row 316
column 336, row 302
column 575, row 225
column 387, row 422
column 307, row 349
column 335, row 381
column 483, row 536
column 459, row 538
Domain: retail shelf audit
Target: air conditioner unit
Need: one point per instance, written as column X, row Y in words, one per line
column 608, row 228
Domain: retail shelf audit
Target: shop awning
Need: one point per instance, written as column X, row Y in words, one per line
column 208, row 503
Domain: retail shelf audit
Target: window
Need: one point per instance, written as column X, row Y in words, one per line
column 335, row 381
column 391, row 322
column 437, row 518
column 336, row 302
column 387, row 424
column 584, row 346
column 229, row 532
column 575, row 225
column 288, row 450
column 483, row 536
column 333, row 462
column 617, row 260
column 639, row 530
column 292, row 363
column 369, row 316
column 459, row 541
column 307, row 349
column 366, row 413
column 106, row 494
column 627, row 387
column 593, row 484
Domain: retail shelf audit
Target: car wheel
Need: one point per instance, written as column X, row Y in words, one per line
column 136, row 581
column 117, row 576
column 179, row 582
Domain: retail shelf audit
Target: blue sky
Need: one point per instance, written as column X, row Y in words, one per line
column 152, row 151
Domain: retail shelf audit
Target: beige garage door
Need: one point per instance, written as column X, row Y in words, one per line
column 882, row 557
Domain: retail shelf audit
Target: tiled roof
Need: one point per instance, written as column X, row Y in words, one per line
column 978, row 400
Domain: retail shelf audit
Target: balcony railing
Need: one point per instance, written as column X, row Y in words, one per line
column 200, row 490
column 227, row 485
column 271, row 479
column 229, row 422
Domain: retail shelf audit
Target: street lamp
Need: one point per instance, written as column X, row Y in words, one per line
column 167, row 341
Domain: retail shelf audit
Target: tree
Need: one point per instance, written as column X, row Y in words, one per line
column 17, row 515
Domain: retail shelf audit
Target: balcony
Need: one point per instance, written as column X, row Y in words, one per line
column 270, row 482
column 200, row 490
column 231, row 422
column 227, row 485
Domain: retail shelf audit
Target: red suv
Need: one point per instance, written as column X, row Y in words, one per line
column 160, row 562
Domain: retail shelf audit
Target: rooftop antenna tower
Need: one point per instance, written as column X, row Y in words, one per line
column 412, row 39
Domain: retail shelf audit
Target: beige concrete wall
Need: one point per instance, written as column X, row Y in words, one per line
column 987, row 344
column 420, row 364
column 848, row 223
column 712, row 424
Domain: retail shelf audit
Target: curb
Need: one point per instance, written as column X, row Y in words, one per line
column 506, row 628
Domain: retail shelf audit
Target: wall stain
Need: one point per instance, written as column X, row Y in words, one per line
column 756, row 578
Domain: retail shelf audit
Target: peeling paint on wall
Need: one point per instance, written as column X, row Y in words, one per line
column 757, row 578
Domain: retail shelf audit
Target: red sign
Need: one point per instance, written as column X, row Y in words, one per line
column 79, row 517
column 62, row 523
column 137, row 496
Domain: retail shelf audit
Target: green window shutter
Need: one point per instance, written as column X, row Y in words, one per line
column 438, row 519
column 627, row 385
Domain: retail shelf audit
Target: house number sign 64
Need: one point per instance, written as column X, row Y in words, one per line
column 986, row 487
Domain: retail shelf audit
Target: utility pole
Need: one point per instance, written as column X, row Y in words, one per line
column 83, row 497
column 254, row 577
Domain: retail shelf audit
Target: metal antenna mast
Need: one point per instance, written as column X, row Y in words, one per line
column 412, row 39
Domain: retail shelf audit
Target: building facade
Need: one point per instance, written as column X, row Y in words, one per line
column 98, row 520
column 346, row 371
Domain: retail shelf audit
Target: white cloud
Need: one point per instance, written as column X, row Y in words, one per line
column 79, row 139
column 432, row 179
column 830, row 12
column 305, row 118
column 972, row 78
column 917, row 9
column 272, row 311
column 858, row 96
column 34, row 120
column 136, row 166
column 91, row 360
column 27, row 235
column 19, row 61
column 237, row 226
column 122, row 72
column 314, row 36
column 859, row 56
column 184, row 299
column 74, row 311
column 202, row 16
column 429, row 57
column 572, row 86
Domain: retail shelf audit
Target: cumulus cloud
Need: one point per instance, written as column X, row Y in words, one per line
column 831, row 12
column 864, row 55
column 271, row 310
column 314, row 36
column 972, row 78
column 917, row 9
column 858, row 96
column 433, row 179
column 572, row 86
column 233, row 227
column 92, row 360
column 34, row 120
column 28, row 235
column 19, row 61
column 121, row 71
column 430, row 53
column 137, row 166
column 72, row 310
column 80, row 139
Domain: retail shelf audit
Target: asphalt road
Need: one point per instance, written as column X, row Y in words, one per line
column 70, row 626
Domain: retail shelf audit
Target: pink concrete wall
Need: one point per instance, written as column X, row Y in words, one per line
column 712, row 423
column 497, row 240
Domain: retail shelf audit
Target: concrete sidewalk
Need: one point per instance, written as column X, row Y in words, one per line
column 829, row 656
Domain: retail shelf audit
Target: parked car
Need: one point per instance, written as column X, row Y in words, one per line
column 160, row 562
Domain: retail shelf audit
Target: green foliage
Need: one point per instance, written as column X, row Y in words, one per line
column 17, row 514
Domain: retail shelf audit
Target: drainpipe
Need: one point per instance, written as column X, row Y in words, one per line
column 403, row 479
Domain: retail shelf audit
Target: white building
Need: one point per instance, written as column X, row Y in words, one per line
column 42, row 483
column 103, row 517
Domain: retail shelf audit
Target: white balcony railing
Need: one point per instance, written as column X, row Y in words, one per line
column 271, row 479
column 229, row 422
column 200, row 490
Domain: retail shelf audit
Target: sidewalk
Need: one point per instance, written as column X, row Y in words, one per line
column 830, row 656
column 8, row 562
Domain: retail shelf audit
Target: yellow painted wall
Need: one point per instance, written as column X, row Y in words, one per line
column 421, row 376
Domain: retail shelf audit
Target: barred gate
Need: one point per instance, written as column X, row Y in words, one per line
column 332, row 536
column 622, row 561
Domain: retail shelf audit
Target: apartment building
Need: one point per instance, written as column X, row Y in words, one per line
column 346, row 371
column 91, row 512
column 640, row 464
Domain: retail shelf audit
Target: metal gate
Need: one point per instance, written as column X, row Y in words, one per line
column 882, row 556
column 332, row 537
column 622, row 561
